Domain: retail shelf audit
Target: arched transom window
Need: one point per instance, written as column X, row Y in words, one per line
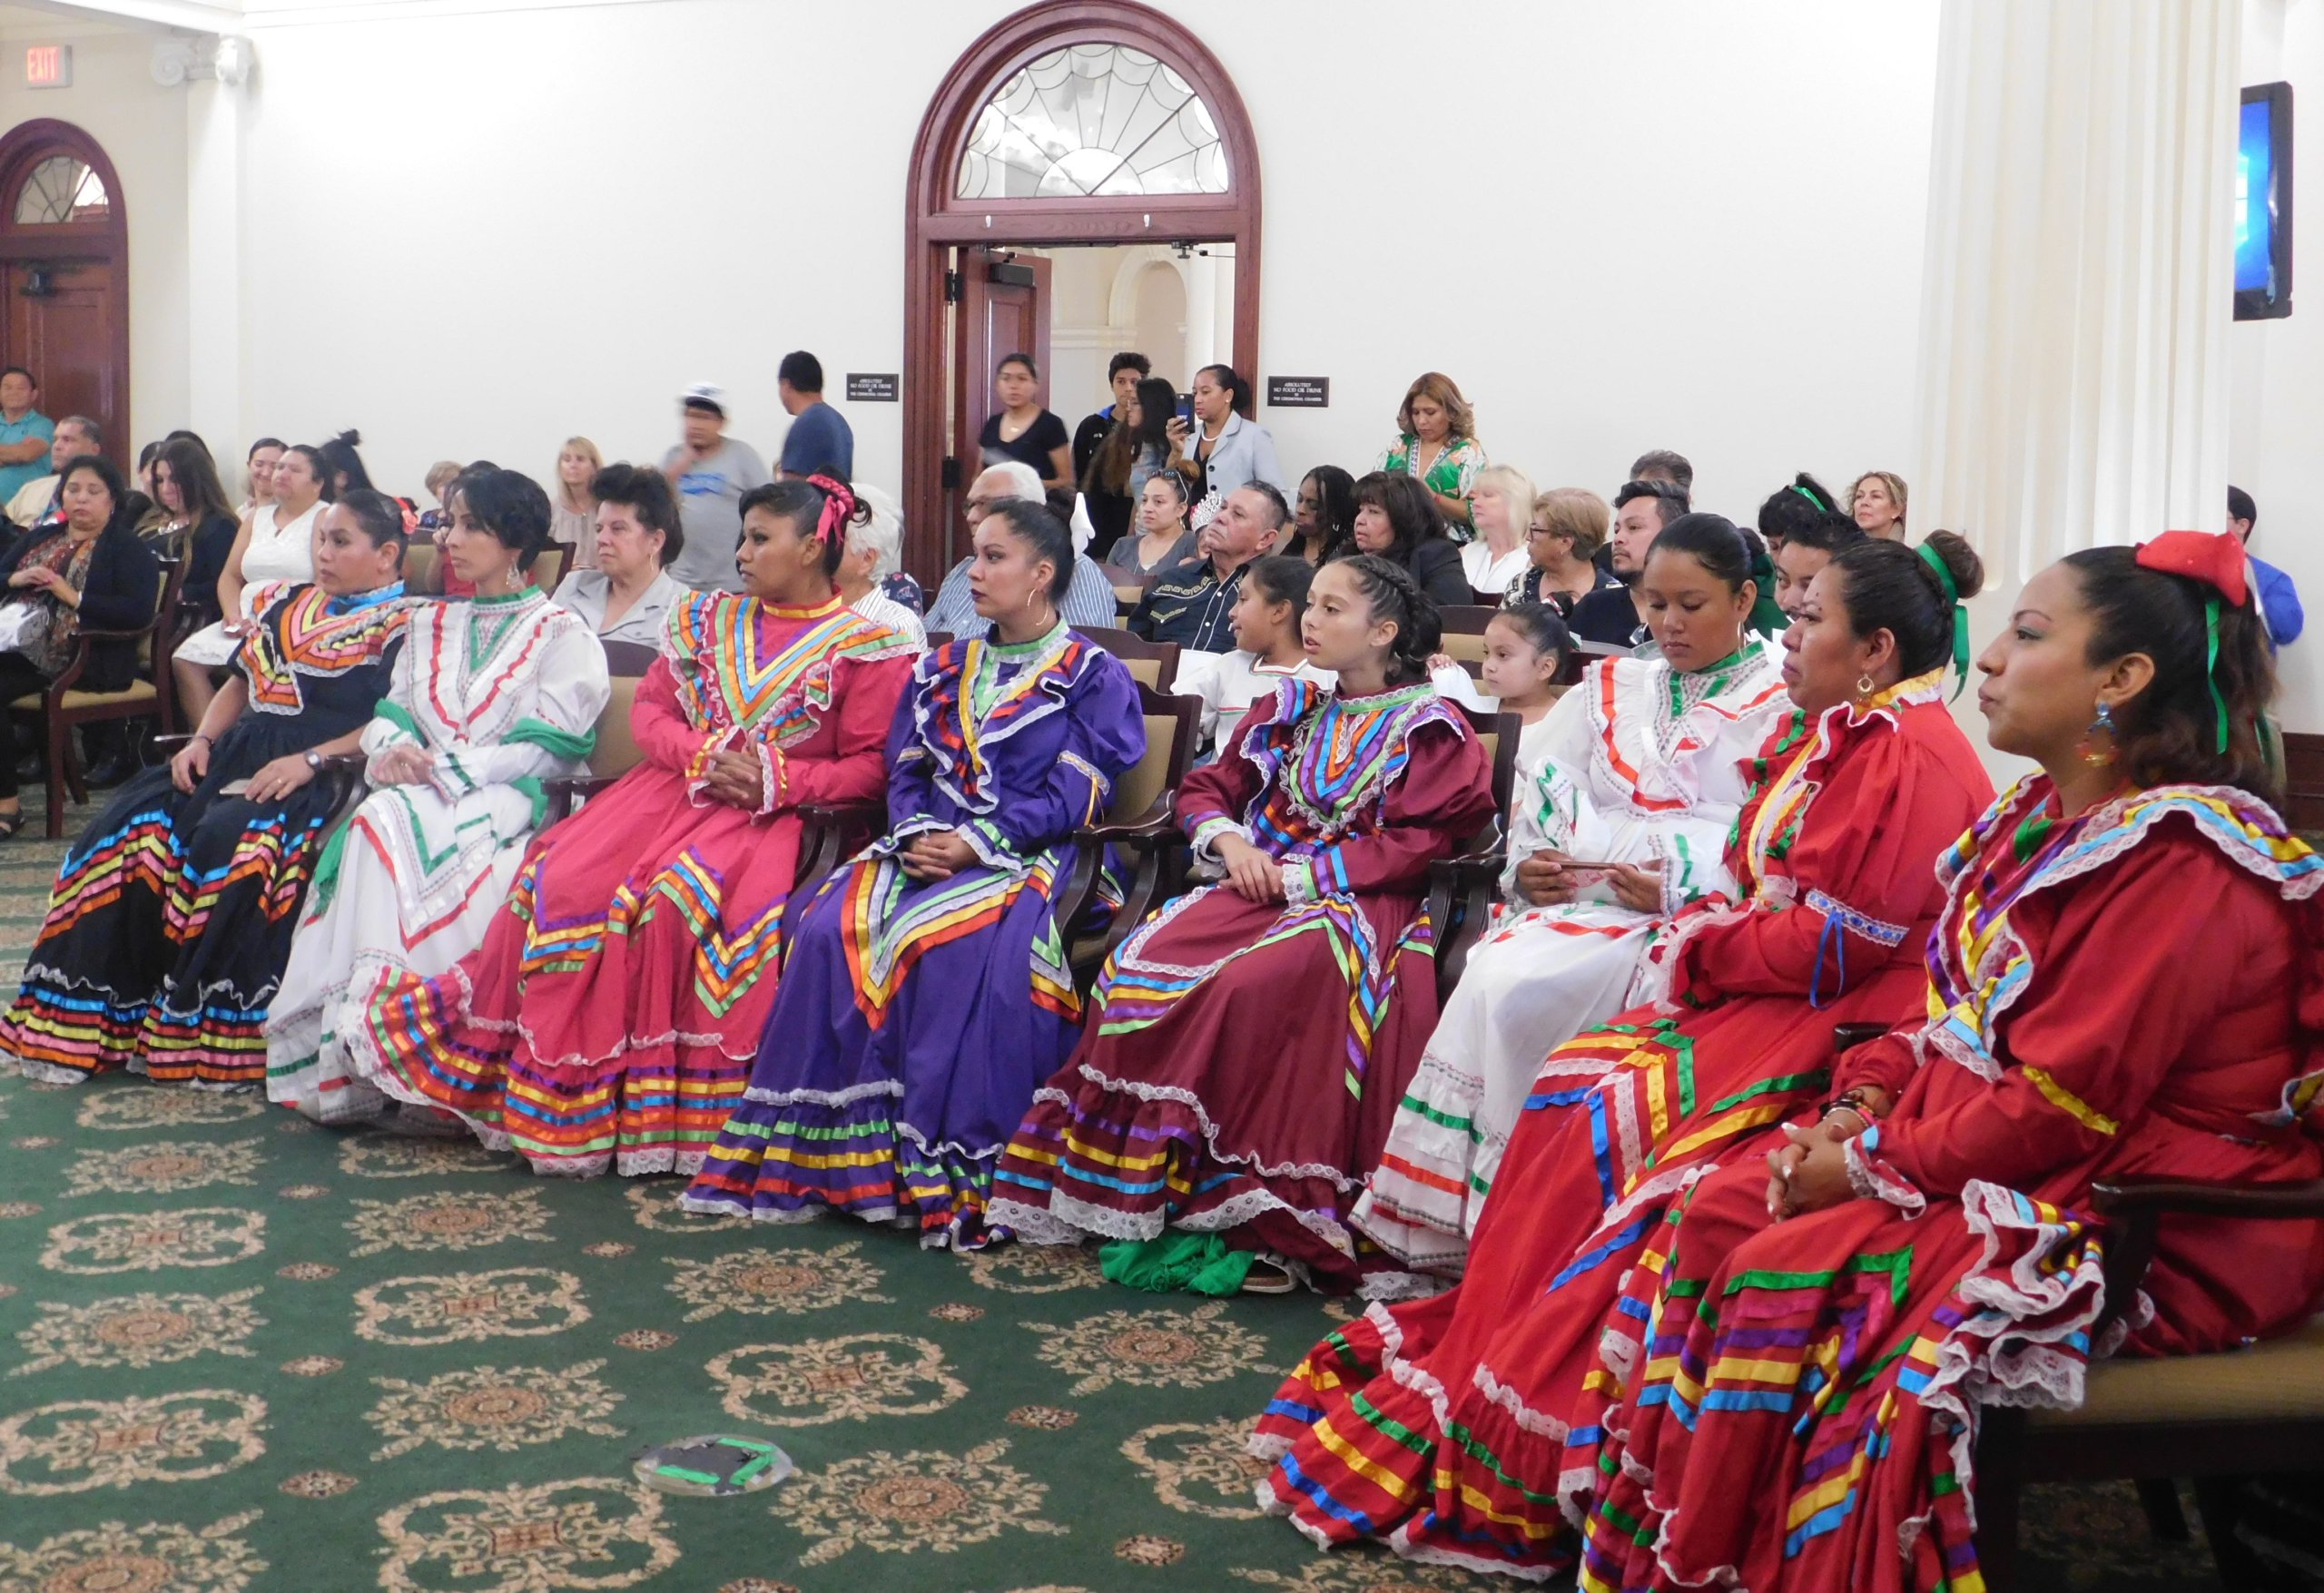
column 62, row 188
column 1092, row 121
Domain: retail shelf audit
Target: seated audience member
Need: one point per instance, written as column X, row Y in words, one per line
column 1613, row 617
column 2139, row 1038
column 871, row 552
column 275, row 547
column 1395, row 519
column 1664, row 464
column 1322, row 518
column 1436, row 445
column 342, row 465
column 1526, row 648
column 1270, row 647
column 172, row 915
column 1562, row 537
column 2278, row 598
column 1501, row 508
column 88, row 571
column 1878, row 502
column 609, row 1017
column 888, row 528
column 1250, row 1041
column 1192, row 602
column 37, row 501
column 1809, row 543
column 1643, row 768
column 819, row 440
column 1116, row 448
column 1227, row 448
column 573, row 505
column 25, row 433
column 1162, row 537
column 1087, row 602
column 258, row 464
column 487, row 698
column 1834, row 867
column 625, row 593
column 1802, row 502
column 200, row 526
column 439, row 482
column 925, row 996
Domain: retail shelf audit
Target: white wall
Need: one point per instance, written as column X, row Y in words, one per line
column 2278, row 402
column 1667, row 223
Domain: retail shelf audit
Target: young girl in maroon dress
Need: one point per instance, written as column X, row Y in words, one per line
column 1251, row 1040
column 2129, row 978
column 1834, row 857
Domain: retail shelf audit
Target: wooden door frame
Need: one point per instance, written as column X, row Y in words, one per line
column 965, row 419
column 936, row 222
column 24, row 145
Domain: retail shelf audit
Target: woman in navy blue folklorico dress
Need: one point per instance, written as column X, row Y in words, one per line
column 926, row 993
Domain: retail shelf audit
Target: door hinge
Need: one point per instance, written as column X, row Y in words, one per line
column 951, row 473
column 951, row 287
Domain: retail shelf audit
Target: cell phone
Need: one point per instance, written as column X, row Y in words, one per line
column 1185, row 407
column 233, row 788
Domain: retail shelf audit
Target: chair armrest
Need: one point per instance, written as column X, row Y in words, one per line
column 347, row 762
column 1848, row 1036
column 2125, row 1198
column 876, row 812
column 1156, row 827
column 561, row 792
column 1460, row 903
column 139, row 634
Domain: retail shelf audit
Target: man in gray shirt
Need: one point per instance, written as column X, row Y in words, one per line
column 710, row 472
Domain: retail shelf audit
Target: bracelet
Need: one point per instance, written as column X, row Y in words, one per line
column 1853, row 1100
column 207, row 741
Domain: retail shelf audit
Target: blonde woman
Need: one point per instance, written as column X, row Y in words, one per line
column 1501, row 507
column 1436, row 442
column 1878, row 502
column 573, row 508
column 1568, row 527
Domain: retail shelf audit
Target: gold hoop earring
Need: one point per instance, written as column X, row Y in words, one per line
column 1866, row 688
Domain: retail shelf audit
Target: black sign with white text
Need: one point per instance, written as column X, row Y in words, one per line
column 881, row 387
column 1299, row 392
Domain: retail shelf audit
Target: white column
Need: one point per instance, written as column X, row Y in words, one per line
column 1202, row 315
column 2079, row 283
column 215, row 351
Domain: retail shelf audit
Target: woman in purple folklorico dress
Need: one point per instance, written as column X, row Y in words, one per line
column 926, row 993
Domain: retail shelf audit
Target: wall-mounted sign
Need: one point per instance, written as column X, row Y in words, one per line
column 881, row 387
column 1299, row 392
column 48, row 66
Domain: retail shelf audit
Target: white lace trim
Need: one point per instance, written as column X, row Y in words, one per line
column 1149, row 1093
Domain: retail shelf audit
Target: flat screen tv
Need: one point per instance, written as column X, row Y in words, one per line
column 2263, row 203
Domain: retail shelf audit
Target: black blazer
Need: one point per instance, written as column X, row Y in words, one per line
column 1435, row 564
column 124, row 583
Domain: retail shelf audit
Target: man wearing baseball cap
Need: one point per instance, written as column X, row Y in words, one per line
column 710, row 472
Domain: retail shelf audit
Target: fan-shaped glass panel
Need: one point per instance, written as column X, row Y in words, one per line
column 1101, row 120
column 62, row 188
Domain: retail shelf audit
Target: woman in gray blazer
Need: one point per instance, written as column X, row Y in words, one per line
column 1230, row 448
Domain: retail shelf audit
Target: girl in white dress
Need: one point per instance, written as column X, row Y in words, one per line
column 1268, row 648
column 276, row 544
column 1642, row 770
column 489, row 696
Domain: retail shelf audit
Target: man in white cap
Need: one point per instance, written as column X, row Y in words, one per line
column 710, row 472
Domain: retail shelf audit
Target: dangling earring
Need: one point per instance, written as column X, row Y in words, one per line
column 2095, row 756
column 1866, row 687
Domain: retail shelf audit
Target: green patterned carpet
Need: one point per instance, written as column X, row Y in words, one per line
column 238, row 1352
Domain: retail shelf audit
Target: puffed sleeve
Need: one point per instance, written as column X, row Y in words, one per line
column 1105, row 737
column 1552, row 811
column 1863, row 868
column 1212, row 798
column 2118, row 996
column 661, row 729
column 911, row 769
column 864, row 703
column 571, row 688
column 1431, row 810
column 394, row 722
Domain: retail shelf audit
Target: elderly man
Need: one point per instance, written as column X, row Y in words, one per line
column 1191, row 602
column 36, row 500
column 1088, row 602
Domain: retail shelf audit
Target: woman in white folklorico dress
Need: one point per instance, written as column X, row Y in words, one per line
column 1644, row 764
column 489, row 696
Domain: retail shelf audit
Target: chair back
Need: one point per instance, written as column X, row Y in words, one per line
column 617, row 751
column 1150, row 663
column 1172, row 724
column 632, row 659
column 549, row 566
column 1499, row 734
column 1465, row 631
column 423, row 569
column 938, row 639
column 171, row 581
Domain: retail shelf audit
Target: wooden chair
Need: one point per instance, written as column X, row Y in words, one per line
column 62, row 705
column 1150, row 663
column 1138, row 822
column 1464, row 632
column 2209, row 1417
column 1460, row 889
column 617, row 752
column 423, row 572
column 938, row 639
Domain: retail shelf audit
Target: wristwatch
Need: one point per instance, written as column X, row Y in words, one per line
column 315, row 761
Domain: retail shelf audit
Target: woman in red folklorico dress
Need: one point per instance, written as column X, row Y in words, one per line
column 1822, row 1339
column 612, row 1014
column 1250, row 1042
column 1403, row 1424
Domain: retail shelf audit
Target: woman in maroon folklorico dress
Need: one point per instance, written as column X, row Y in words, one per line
column 1251, row 1040
column 1823, row 1338
column 1836, row 851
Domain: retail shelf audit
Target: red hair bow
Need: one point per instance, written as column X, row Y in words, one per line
column 2214, row 558
column 839, row 509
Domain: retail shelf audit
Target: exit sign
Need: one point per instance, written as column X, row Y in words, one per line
column 48, row 66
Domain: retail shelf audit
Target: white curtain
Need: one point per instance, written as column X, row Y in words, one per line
column 2079, row 282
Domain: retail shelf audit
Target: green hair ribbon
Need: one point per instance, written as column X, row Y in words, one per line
column 1935, row 561
column 1812, row 498
column 2211, row 665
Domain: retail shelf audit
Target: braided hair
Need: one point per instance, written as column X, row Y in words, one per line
column 1396, row 596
